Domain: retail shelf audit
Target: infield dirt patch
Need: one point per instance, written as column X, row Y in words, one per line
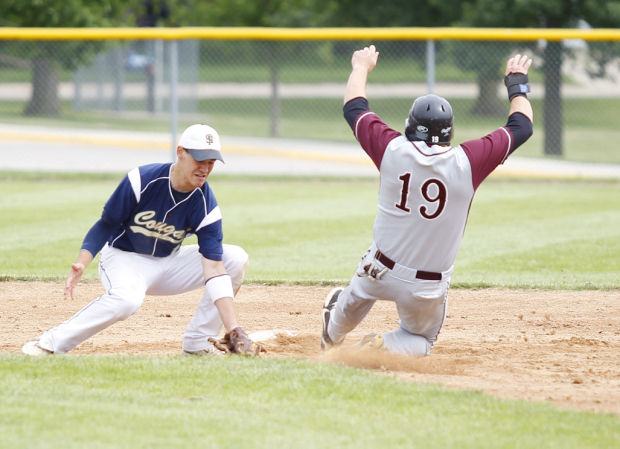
column 557, row 346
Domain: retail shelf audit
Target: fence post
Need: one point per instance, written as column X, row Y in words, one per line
column 100, row 62
column 77, row 90
column 275, row 103
column 430, row 65
column 118, row 80
column 159, row 74
column 552, row 108
column 174, row 101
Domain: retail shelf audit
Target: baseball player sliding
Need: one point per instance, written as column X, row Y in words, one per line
column 426, row 189
column 140, row 235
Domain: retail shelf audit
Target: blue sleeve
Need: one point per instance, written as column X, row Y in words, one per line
column 119, row 206
column 353, row 108
column 115, row 212
column 520, row 127
column 97, row 236
column 210, row 241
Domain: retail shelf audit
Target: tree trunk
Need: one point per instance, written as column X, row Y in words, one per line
column 44, row 99
column 553, row 99
column 488, row 103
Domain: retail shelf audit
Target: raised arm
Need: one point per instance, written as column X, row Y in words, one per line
column 516, row 82
column 362, row 63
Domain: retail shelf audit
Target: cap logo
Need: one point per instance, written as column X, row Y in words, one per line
column 446, row 131
column 209, row 138
column 422, row 129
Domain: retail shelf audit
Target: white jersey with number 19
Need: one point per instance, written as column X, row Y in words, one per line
column 426, row 191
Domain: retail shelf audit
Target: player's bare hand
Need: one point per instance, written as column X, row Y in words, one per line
column 366, row 58
column 77, row 269
column 518, row 64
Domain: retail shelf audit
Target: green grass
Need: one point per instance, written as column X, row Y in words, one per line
column 526, row 234
column 543, row 234
column 170, row 402
column 550, row 234
column 304, row 71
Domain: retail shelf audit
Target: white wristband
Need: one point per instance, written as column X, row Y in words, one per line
column 219, row 287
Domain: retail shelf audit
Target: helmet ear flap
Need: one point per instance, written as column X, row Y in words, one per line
column 409, row 131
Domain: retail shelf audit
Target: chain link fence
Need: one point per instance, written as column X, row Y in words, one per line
column 294, row 88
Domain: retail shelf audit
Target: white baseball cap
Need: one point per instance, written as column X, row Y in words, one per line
column 202, row 142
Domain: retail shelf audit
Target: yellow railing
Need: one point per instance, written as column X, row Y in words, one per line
column 251, row 33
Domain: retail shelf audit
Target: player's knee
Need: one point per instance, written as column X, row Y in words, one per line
column 237, row 263
column 401, row 341
column 125, row 304
column 128, row 308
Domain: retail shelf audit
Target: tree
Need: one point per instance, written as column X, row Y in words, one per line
column 492, row 13
column 479, row 56
column 48, row 57
column 396, row 13
column 545, row 14
column 252, row 13
column 482, row 58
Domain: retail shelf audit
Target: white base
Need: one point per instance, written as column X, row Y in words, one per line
column 33, row 348
column 270, row 334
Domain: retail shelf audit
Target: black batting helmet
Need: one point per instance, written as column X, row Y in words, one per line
column 430, row 119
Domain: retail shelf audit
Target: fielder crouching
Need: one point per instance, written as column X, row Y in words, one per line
column 140, row 235
column 426, row 189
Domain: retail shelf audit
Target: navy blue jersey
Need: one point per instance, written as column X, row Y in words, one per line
column 146, row 216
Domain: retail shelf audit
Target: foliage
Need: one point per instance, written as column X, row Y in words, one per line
column 62, row 13
column 259, row 13
column 396, row 13
column 546, row 14
column 49, row 56
column 541, row 13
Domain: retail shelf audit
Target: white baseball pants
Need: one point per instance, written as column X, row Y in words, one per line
column 127, row 277
column 421, row 306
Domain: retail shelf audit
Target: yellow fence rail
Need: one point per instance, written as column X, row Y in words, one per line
column 255, row 33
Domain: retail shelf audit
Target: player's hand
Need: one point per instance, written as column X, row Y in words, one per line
column 518, row 64
column 77, row 269
column 366, row 58
column 237, row 342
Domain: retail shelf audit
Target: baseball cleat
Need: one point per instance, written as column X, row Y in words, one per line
column 33, row 348
column 209, row 351
column 328, row 305
column 370, row 341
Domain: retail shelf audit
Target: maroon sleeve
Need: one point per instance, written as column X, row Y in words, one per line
column 487, row 153
column 373, row 135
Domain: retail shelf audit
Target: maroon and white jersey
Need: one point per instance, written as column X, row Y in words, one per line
column 425, row 192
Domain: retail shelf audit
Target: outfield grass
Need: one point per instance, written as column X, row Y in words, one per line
column 256, row 70
column 526, row 234
column 181, row 402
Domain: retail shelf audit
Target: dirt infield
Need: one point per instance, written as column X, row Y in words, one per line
column 562, row 347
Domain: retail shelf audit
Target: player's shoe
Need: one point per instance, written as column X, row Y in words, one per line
column 328, row 306
column 370, row 341
column 34, row 348
column 209, row 351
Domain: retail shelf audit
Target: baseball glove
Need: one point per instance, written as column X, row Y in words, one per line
column 237, row 342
